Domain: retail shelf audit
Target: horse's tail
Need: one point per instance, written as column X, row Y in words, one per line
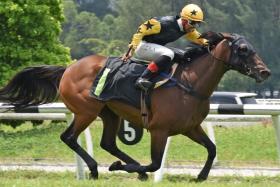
column 33, row 86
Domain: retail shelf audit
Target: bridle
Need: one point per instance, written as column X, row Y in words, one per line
column 227, row 64
column 235, row 57
column 213, row 55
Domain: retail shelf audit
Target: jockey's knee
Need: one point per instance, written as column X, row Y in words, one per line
column 163, row 62
column 168, row 53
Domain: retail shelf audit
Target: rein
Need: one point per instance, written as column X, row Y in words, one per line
column 232, row 58
column 228, row 66
column 187, row 88
column 216, row 58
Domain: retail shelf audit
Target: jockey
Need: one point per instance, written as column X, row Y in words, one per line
column 148, row 42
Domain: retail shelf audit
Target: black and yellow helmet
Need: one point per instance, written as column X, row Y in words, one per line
column 192, row 12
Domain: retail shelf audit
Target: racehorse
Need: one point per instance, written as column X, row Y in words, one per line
column 174, row 110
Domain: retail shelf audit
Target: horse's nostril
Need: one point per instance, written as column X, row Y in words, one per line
column 265, row 73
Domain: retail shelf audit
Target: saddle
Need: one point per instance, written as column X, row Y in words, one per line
column 117, row 81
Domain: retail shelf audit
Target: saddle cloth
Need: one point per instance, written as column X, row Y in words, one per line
column 117, row 81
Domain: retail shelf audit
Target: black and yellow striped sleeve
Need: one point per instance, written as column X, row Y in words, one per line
column 150, row 27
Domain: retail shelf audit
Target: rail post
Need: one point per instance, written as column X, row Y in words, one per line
column 89, row 143
column 276, row 123
column 159, row 173
column 211, row 135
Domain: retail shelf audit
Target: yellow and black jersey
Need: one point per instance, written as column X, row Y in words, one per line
column 163, row 30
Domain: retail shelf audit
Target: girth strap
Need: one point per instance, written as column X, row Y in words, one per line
column 144, row 109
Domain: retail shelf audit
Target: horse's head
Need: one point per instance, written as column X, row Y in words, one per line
column 238, row 54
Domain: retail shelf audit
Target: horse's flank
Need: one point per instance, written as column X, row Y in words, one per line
column 77, row 79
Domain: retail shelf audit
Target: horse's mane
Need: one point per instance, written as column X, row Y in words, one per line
column 213, row 40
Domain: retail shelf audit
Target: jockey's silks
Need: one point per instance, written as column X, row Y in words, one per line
column 163, row 30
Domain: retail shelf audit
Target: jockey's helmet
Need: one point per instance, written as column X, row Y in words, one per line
column 192, row 12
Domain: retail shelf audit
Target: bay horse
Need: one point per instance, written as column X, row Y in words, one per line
column 173, row 111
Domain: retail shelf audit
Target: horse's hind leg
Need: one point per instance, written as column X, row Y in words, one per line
column 198, row 135
column 70, row 136
column 111, row 124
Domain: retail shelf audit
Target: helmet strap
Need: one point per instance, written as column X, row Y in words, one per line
column 185, row 23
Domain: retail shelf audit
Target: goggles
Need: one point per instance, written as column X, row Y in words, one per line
column 194, row 23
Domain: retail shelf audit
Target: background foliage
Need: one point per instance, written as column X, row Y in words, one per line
column 30, row 30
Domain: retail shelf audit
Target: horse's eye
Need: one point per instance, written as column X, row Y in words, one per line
column 243, row 48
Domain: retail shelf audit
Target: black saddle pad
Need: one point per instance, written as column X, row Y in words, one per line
column 117, row 81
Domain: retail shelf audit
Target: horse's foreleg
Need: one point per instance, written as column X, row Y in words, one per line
column 198, row 135
column 70, row 136
column 111, row 124
column 158, row 142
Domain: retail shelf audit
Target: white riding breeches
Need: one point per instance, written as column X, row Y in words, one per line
column 147, row 52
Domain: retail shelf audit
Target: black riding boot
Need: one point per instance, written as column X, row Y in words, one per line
column 153, row 69
column 144, row 82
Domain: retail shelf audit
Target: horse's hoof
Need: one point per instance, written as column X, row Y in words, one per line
column 93, row 175
column 200, row 178
column 115, row 166
column 143, row 176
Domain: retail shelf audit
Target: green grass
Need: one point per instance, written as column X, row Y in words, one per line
column 34, row 143
column 38, row 179
column 249, row 144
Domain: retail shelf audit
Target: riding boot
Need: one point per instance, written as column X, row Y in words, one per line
column 143, row 82
column 153, row 69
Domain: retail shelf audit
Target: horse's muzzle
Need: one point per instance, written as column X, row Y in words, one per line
column 263, row 75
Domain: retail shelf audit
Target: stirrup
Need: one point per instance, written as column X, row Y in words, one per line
column 144, row 84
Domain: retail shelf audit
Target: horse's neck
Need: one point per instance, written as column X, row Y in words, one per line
column 204, row 75
column 209, row 74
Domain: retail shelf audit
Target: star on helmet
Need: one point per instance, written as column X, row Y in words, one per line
column 193, row 12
